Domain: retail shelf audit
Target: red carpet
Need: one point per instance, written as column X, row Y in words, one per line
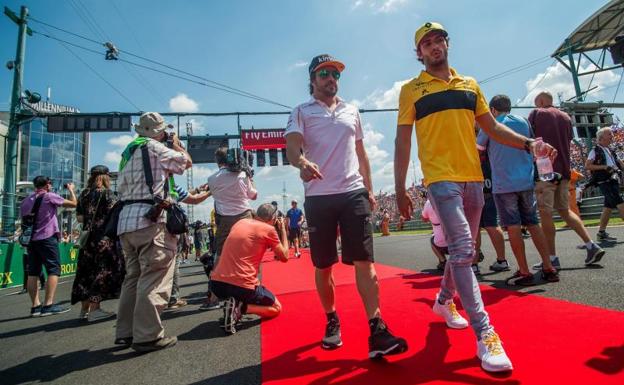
column 549, row 341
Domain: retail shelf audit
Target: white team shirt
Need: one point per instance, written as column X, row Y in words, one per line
column 329, row 141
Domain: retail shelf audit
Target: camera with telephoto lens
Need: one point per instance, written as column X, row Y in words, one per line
column 614, row 173
column 168, row 139
column 238, row 160
column 154, row 212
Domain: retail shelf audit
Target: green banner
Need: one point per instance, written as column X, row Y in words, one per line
column 11, row 263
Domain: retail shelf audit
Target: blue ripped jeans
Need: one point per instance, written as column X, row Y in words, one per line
column 459, row 205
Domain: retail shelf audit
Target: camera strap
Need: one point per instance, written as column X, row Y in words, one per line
column 35, row 210
column 147, row 169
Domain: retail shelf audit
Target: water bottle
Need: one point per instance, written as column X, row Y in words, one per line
column 544, row 165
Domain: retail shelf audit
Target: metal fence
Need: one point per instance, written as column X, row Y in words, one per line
column 66, row 217
column 590, row 208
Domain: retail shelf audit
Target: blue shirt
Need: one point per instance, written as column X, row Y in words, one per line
column 512, row 168
column 294, row 215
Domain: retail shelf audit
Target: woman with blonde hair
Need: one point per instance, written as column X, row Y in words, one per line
column 101, row 269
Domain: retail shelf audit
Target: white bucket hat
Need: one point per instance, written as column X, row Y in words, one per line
column 151, row 124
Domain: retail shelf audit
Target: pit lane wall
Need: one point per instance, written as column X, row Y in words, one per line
column 11, row 263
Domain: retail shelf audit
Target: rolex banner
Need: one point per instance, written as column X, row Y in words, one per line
column 272, row 138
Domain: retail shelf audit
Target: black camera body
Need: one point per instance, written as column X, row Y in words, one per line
column 154, row 212
column 238, row 160
column 168, row 140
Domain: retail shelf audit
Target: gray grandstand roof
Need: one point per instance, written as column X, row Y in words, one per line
column 598, row 31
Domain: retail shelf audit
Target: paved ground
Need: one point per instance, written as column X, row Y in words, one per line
column 62, row 350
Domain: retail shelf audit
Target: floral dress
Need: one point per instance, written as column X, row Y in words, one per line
column 101, row 266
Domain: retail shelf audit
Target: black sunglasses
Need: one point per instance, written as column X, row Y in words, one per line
column 323, row 73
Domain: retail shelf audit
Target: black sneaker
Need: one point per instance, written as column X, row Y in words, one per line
column 383, row 343
column 232, row 314
column 53, row 310
column 441, row 265
column 550, row 276
column 594, row 254
column 519, row 279
column 604, row 236
column 332, row 339
column 35, row 311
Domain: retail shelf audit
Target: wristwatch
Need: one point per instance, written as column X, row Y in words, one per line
column 527, row 145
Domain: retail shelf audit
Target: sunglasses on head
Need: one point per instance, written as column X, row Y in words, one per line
column 324, row 73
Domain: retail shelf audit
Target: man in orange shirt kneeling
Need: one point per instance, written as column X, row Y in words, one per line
column 235, row 278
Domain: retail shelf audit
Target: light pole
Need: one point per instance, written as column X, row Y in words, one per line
column 10, row 165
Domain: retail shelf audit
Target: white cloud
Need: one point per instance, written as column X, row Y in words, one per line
column 121, row 141
column 382, row 98
column 112, row 158
column 558, row 81
column 182, row 103
column 372, row 139
column 384, row 6
column 277, row 173
column 383, row 177
column 203, row 172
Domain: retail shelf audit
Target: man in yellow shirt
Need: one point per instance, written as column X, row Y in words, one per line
column 444, row 106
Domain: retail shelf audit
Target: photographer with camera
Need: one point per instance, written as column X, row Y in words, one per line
column 43, row 249
column 235, row 277
column 606, row 170
column 232, row 188
column 148, row 246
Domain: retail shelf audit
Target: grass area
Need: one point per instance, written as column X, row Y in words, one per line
column 558, row 224
column 593, row 222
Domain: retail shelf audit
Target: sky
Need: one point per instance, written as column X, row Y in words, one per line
column 264, row 48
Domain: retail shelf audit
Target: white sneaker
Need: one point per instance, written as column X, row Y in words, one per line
column 99, row 314
column 448, row 311
column 491, row 353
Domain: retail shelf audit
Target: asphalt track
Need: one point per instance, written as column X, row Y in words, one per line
column 62, row 350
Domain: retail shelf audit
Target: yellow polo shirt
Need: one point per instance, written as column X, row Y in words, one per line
column 444, row 114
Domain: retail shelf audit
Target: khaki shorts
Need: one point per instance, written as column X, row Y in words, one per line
column 551, row 196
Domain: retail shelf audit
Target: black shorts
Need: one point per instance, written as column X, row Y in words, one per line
column 44, row 252
column 489, row 215
column 352, row 212
column 294, row 233
column 260, row 296
column 611, row 192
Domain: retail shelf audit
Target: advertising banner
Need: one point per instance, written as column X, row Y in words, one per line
column 271, row 138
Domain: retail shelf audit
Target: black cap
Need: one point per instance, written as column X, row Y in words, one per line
column 325, row 60
column 99, row 170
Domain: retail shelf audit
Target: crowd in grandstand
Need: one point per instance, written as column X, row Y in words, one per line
column 579, row 150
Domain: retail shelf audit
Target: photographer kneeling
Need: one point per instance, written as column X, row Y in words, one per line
column 148, row 247
column 235, row 278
